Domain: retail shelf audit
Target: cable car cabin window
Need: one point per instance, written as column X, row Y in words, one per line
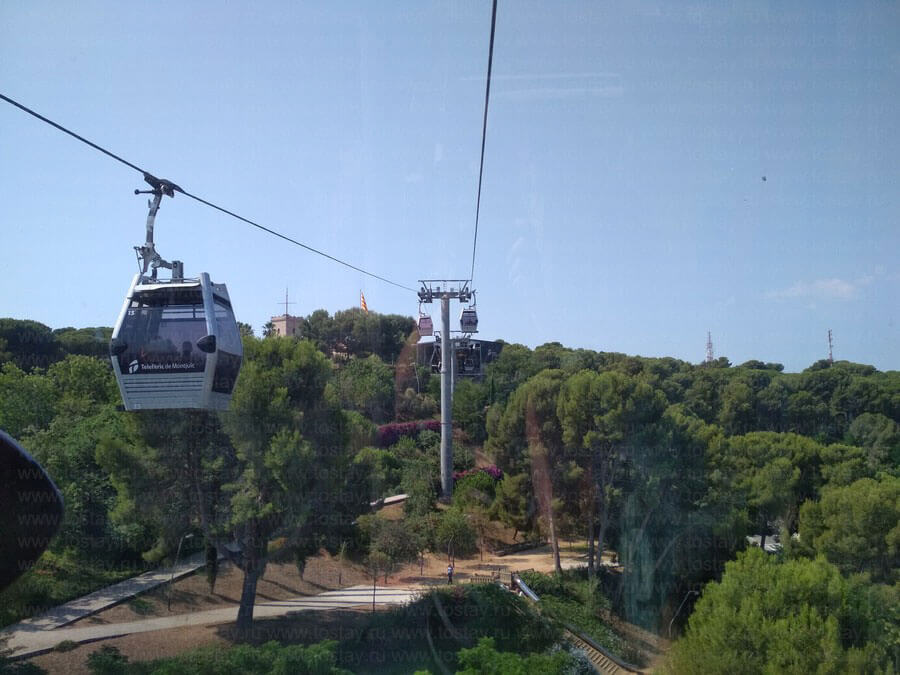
column 161, row 338
column 228, row 361
column 228, row 338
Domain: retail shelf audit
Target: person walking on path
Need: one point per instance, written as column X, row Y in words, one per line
column 450, row 573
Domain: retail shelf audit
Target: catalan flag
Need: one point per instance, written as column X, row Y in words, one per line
column 362, row 302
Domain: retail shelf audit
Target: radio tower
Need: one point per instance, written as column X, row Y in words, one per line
column 709, row 347
column 830, row 347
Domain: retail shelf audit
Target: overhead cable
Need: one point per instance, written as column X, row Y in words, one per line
column 487, row 98
column 199, row 199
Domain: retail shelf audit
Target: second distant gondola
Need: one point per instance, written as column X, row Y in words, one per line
column 424, row 324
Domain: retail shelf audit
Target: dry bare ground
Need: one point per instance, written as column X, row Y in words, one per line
column 281, row 581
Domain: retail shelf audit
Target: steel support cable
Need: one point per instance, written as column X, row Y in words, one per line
column 294, row 241
column 199, row 199
column 487, row 98
column 71, row 133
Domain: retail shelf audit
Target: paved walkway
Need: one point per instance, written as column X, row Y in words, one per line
column 105, row 598
column 32, row 641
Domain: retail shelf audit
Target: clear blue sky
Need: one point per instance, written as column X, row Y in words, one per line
column 623, row 206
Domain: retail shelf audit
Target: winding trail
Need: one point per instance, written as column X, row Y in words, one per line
column 33, row 640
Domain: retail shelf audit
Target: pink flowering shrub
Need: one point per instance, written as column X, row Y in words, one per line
column 388, row 434
column 491, row 471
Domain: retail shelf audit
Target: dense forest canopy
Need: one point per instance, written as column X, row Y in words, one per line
column 672, row 465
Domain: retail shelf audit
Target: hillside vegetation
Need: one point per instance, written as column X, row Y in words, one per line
column 668, row 464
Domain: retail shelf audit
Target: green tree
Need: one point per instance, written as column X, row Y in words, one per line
column 844, row 464
column 772, row 473
column 772, row 406
column 169, row 477
column 28, row 344
column 367, row 386
column 484, row 659
column 454, row 534
column 474, row 495
column 85, row 379
column 768, row 617
column 415, row 406
column 529, row 440
column 806, row 414
column 295, row 477
column 362, row 334
column 92, row 341
column 857, row 527
column 880, row 435
column 67, row 450
column 469, row 408
column 671, row 535
column 514, row 504
column 475, row 489
column 513, row 367
column 703, row 396
column 391, row 544
column 418, row 482
column 384, row 470
column 600, row 416
column 738, row 412
column 27, row 401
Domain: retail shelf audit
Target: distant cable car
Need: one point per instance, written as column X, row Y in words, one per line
column 468, row 320
column 436, row 354
column 424, row 324
column 468, row 358
column 436, row 358
column 468, row 317
column 176, row 343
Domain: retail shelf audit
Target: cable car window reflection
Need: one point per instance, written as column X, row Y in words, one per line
column 228, row 335
column 163, row 338
column 228, row 361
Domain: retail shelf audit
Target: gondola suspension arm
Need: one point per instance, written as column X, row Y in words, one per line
column 148, row 257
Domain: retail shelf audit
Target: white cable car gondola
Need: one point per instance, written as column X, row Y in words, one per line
column 176, row 343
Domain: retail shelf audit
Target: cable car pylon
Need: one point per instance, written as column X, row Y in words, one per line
column 446, row 290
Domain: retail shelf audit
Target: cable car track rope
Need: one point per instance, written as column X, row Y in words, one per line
column 205, row 202
column 487, row 98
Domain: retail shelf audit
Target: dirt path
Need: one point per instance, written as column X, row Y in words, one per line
column 281, row 581
column 307, row 628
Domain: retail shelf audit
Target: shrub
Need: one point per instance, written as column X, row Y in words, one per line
column 484, row 659
column 388, row 434
column 491, row 471
column 474, row 489
column 107, row 661
column 574, row 599
column 268, row 658
column 454, row 532
column 384, row 473
column 66, row 646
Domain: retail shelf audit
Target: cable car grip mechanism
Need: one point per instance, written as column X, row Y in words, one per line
column 147, row 255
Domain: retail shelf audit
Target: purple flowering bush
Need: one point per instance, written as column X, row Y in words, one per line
column 491, row 471
column 388, row 434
